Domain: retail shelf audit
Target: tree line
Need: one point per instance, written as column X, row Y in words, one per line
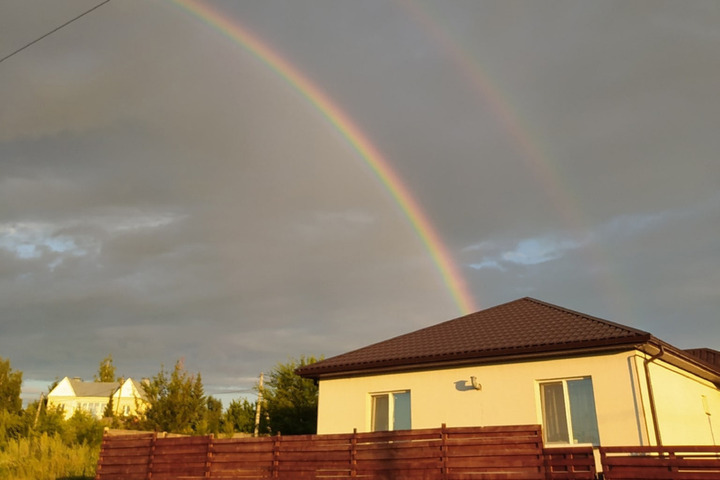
column 177, row 403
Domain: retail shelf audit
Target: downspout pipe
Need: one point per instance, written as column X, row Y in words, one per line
column 651, row 394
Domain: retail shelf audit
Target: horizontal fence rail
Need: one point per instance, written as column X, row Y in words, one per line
column 659, row 463
column 570, row 463
column 472, row 453
column 464, row 453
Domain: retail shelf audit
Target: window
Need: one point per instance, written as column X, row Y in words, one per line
column 390, row 411
column 568, row 411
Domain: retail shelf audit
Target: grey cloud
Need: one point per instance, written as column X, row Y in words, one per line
column 177, row 197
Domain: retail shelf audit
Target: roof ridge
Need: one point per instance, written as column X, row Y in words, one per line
column 586, row 316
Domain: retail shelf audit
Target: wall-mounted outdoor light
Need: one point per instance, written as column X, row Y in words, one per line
column 475, row 384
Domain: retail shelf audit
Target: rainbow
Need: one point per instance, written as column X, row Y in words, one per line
column 353, row 135
column 538, row 163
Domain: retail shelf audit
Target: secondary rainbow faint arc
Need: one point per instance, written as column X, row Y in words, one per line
column 540, row 164
column 358, row 140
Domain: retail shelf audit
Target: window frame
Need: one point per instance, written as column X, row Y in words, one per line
column 568, row 410
column 390, row 396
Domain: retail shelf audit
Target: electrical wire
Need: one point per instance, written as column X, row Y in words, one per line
column 53, row 31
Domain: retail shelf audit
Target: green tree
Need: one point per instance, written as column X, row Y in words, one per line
column 213, row 416
column 11, row 426
column 177, row 402
column 10, row 385
column 291, row 400
column 50, row 420
column 82, row 428
column 109, row 408
column 239, row 417
column 106, row 371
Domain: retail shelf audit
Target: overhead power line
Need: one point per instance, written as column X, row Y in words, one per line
column 53, row 31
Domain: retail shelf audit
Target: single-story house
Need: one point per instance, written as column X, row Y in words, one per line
column 72, row 394
column 584, row 379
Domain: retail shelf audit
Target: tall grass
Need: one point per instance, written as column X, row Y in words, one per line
column 47, row 457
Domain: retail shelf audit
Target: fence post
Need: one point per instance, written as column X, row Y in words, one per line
column 673, row 461
column 103, row 446
column 151, row 457
column 208, row 459
column 353, row 453
column 276, row 456
column 444, row 451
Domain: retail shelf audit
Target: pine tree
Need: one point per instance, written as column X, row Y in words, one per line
column 177, row 402
column 106, row 371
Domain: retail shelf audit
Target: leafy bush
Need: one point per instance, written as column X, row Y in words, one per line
column 83, row 428
column 47, row 457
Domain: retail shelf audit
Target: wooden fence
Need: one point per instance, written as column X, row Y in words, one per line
column 671, row 463
column 474, row 453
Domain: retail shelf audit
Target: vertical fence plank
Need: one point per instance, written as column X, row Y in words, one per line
column 103, row 449
column 353, row 454
column 444, row 452
column 209, row 458
column 151, row 457
column 276, row 456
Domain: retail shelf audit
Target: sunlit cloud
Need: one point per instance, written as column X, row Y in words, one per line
column 531, row 251
column 534, row 251
column 548, row 248
column 32, row 240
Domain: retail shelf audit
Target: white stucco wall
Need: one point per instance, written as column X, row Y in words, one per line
column 510, row 395
column 688, row 407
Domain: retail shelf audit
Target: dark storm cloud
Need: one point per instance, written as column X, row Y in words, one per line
column 164, row 194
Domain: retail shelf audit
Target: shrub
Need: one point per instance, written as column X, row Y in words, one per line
column 47, row 457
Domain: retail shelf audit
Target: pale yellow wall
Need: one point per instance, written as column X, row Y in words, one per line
column 509, row 395
column 63, row 397
column 67, row 404
column 128, row 396
column 681, row 411
column 71, row 404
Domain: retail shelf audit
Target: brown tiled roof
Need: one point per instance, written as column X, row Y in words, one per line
column 521, row 327
column 707, row 355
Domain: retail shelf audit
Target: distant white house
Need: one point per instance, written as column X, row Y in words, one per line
column 73, row 394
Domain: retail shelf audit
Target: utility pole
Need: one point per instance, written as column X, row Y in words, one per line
column 257, row 406
column 37, row 413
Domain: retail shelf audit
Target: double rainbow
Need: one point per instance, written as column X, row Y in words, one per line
column 353, row 135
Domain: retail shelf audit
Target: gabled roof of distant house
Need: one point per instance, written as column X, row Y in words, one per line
column 84, row 389
column 519, row 329
column 93, row 389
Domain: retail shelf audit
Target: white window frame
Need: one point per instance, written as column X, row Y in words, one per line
column 568, row 408
column 391, row 408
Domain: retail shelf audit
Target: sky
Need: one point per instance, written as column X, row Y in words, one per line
column 240, row 183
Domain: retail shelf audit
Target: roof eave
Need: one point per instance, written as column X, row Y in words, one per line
column 683, row 360
column 474, row 358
